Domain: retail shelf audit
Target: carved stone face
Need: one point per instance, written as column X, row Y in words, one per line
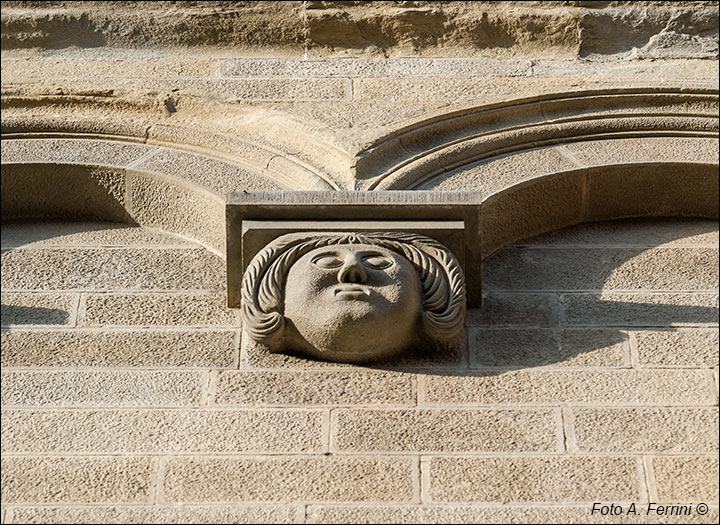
column 352, row 302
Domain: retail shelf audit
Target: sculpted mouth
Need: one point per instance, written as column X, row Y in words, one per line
column 351, row 291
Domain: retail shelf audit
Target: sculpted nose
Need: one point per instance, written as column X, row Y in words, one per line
column 352, row 272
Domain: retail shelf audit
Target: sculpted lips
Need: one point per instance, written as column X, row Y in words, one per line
column 351, row 291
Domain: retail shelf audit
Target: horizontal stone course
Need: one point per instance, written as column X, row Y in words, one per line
column 688, row 479
column 506, row 480
column 681, row 347
column 101, row 388
column 308, row 479
column 38, row 309
column 606, row 387
column 34, row 480
column 159, row 309
column 529, row 347
column 645, row 430
column 161, row 431
column 424, row 431
column 111, row 269
column 454, row 513
column 514, row 309
column 602, row 268
column 629, row 309
column 313, row 388
column 250, row 514
column 121, row 348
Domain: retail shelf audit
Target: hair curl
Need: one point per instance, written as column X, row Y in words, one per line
column 441, row 278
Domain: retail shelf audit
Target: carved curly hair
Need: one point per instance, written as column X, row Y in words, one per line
column 441, row 278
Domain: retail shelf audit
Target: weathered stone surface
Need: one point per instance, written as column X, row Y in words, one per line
column 111, row 269
column 645, row 430
column 638, row 232
column 602, row 268
column 678, row 348
column 69, row 192
column 38, row 309
column 514, row 309
column 90, row 388
column 76, row 480
column 679, row 189
column 67, row 348
column 85, row 234
column 79, row 67
column 158, row 514
column 445, row 431
column 176, row 208
column 266, row 479
column 182, row 309
column 544, row 479
column 70, row 151
column 218, row 176
column 311, row 388
column 455, row 513
column 521, row 347
column 687, row 479
column 161, row 431
column 608, row 387
column 652, row 309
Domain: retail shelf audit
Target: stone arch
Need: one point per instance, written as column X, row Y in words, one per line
column 560, row 159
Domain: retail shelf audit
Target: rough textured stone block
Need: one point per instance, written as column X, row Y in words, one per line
column 602, row 268
column 90, row 388
column 38, row 309
column 173, row 207
column 647, row 430
column 314, row 388
column 85, row 234
column 609, row 387
column 358, row 67
column 679, row 347
column 539, row 347
column 645, row 150
column 257, row 356
column 544, row 479
column 159, row 309
column 158, row 514
column 72, row 151
column 484, row 514
column 78, row 66
column 267, row 479
column 76, row 480
column 111, row 269
column 687, row 479
column 179, row 348
column 661, row 189
column 218, row 176
column 161, row 431
column 501, row 172
column 626, row 309
column 633, row 232
column 445, row 430
column 514, row 309
column 70, row 192
column 529, row 209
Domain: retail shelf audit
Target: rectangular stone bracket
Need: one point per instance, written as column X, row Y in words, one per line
column 253, row 219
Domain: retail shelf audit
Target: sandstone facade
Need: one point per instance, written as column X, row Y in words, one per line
column 589, row 373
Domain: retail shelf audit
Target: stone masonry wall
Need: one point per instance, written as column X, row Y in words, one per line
column 590, row 375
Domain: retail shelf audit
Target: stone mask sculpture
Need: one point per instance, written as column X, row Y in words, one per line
column 353, row 297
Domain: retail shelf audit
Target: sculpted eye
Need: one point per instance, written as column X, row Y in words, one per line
column 328, row 261
column 377, row 262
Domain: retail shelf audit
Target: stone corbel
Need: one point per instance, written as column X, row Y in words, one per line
column 352, row 276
